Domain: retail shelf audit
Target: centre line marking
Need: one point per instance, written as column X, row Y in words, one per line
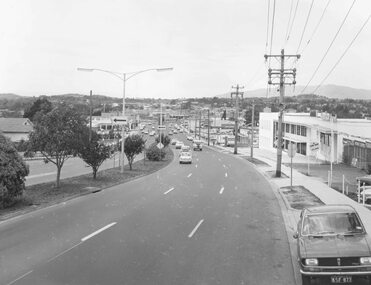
column 226, row 174
column 224, row 165
column 189, row 175
column 98, row 231
column 195, row 229
column 171, row 189
column 221, row 190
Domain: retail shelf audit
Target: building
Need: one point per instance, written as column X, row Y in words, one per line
column 320, row 135
column 16, row 128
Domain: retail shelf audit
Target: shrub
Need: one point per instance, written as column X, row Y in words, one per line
column 154, row 153
column 165, row 140
column 12, row 172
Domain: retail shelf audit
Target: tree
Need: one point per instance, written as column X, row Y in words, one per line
column 13, row 171
column 40, row 107
column 56, row 135
column 165, row 140
column 133, row 145
column 92, row 152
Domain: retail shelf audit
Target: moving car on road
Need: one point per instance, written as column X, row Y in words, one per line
column 190, row 138
column 197, row 145
column 179, row 145
column 333, row 244
column 185, row 157
column 186, row 148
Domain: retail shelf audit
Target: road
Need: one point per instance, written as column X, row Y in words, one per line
column 215, row 221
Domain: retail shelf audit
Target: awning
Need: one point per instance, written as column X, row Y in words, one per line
column 294, row 140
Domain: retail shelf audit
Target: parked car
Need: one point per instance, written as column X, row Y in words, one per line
column 197, row 145
column 185, row 157
column 333, row 244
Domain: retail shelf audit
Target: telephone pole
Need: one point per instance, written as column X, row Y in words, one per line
column 282, row 74
column 252, row 130
column 236, row 94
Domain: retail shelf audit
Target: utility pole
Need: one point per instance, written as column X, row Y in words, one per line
column 90, row 106
column 195, row 125
column 282, row 75
column 208, row 127
column 237, row 94
column 252, row 130
column 199, row 126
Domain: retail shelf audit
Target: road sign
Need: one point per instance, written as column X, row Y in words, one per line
column 162, row 127
column 291, row 150
column 160, row 145
column 119, row 120
column 314, row 146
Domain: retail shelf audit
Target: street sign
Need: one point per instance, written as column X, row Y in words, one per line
column 162, row 127
column 119, row 120
column 291, row 150
column 314, row 146
column 160, row 145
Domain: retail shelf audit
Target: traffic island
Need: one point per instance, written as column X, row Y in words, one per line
column 46, row 194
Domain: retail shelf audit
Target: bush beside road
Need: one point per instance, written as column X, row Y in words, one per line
column 45, row 194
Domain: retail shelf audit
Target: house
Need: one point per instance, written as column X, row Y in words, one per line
column 16, row 128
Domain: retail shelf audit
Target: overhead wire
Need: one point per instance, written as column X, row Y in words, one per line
column 288, row 23
column 345, row 51
column 272, row 30
column 268, row 16
column 316, row 27
column 293, row 20
column 328, row 49
column 305, row 26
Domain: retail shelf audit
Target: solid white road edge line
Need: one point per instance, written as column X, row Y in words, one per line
column 221, row 190
column 189, row 175
column 20, row 277
column 171, row 189
column 98, row 231
column 195, row 229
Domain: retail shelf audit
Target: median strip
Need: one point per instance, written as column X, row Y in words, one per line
column 195, row 229
column 171, row 189
column 98, row 231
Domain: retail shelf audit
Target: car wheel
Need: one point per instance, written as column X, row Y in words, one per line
column 305, row 280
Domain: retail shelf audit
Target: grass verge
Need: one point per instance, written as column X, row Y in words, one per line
column 42, row 195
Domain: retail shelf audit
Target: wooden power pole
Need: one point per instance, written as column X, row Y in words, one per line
column 282, row 75
column 236, row 94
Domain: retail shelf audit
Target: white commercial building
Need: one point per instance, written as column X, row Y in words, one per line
column 320, row 135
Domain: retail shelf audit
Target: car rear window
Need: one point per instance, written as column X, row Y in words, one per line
column 331, row 223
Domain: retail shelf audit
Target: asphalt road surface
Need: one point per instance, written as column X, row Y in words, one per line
column 215, row 221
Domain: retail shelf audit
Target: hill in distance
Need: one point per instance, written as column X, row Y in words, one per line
column 329, row 91
column 9, row 96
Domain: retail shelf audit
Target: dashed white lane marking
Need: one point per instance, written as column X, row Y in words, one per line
column 196, row 165
column 221, row 190
column 219, row 159
column 224, row 165
column 171, row 189
column 20, row 277
column 189, row 175
column 63, row 252
column 196, row 159
column 226, row 174
column 98, row 231
column 195, row 229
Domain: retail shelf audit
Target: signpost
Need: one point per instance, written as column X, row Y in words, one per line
column 314, row 146
column 291, row 151
column 161, row 128
column 119, row 120
column 160, row 145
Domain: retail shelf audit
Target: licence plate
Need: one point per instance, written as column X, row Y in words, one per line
column 341, row 279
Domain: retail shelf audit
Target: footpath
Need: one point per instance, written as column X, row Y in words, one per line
column 265, row 163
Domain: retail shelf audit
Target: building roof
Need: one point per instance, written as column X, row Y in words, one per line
column 15, row 125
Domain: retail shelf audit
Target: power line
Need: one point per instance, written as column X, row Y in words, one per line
column 293, row 20
column 274, row 12
column 268, row 16
column 345, row 51
column 305, row 26
column 316, row 27
column 288, row 23
column 328, row 49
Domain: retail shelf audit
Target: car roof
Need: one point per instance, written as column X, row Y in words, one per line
column 330, row 209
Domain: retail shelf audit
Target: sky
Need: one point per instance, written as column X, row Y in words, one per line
column 211, row 44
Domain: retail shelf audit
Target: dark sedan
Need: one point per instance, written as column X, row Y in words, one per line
column 333, row 246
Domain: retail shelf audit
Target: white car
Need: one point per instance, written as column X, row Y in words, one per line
column 152, row 133
column 186, row 148
column 173, row 142
column 190, row 138
column 197, row 145
column 185, row 157
column 179, row 145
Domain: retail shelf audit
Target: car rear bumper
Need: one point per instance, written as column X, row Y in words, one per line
column 327, row 273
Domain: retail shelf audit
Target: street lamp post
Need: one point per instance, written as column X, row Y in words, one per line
column 124, row 76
